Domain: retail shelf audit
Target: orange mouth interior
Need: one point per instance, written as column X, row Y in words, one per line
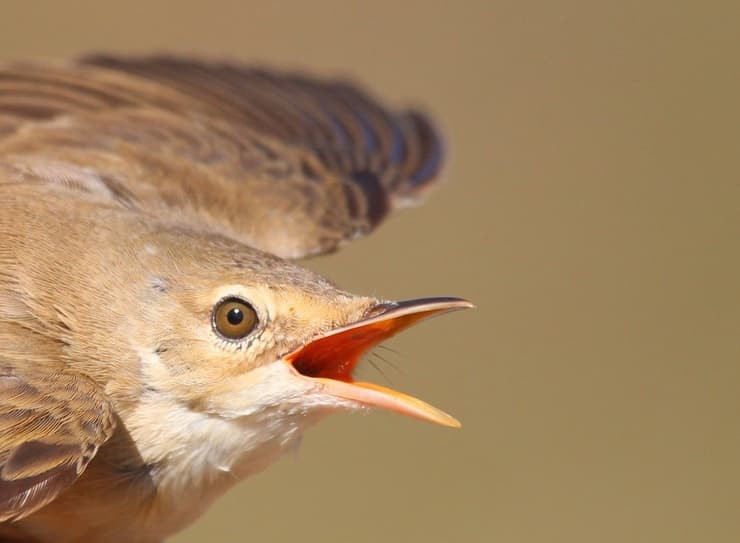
column 331, row 359
column 336, row 355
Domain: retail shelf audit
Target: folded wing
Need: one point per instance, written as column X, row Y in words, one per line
column 51, row 425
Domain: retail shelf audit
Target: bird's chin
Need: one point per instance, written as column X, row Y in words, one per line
column 329, row 361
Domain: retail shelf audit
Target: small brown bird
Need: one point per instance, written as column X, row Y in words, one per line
column 156, row 343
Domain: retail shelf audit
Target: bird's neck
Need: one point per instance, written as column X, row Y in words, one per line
column 194, row 457
column 164, row 467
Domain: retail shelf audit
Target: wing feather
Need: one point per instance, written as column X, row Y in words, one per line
column 283, row 162
column 51, row 426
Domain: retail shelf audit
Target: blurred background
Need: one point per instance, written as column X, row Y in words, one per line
column 592, row 213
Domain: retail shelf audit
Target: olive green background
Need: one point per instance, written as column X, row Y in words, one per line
column 591, row 212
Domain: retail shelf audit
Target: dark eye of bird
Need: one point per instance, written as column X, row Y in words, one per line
column 233, row 318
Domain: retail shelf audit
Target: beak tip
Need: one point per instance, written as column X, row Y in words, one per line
column 454, row 423
column 453, row 303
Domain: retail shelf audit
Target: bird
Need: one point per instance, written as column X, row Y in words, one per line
column 159, row 341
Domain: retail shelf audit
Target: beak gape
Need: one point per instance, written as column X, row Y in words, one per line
column 332, row 358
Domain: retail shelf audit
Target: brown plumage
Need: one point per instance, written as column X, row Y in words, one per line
column 136, row 196
column 213, row 142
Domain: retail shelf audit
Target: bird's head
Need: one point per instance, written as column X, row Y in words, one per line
column 235, row 333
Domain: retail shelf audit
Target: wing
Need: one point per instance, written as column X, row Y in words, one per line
column 285, row 163
column 51, row 425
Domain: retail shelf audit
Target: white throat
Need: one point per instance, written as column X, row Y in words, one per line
column 198, row 456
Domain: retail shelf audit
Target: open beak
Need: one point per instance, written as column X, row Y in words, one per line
column 331, row 359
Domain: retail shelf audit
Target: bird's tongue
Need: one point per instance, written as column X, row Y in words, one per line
column 332, row 358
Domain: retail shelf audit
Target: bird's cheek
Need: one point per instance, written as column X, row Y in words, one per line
column 272, row 386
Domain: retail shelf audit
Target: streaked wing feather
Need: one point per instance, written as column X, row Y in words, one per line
column 286, row 163
column 51, row 426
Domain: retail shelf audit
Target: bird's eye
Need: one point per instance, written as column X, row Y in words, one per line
column 233, row 318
